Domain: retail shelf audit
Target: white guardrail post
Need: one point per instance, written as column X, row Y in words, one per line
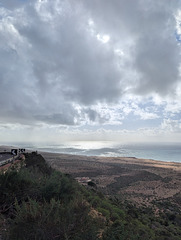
column 6, row 161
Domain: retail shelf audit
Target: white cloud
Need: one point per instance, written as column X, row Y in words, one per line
column 171, row 125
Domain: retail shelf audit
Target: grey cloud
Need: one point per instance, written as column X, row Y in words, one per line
column 57, row 118
column 95, row 116
column 70, row 116
column 85, row 70
column 157, row 52
column 51, row 59
column 11, row 5
column 157, row 62
column 92, row 114
column 151, row 25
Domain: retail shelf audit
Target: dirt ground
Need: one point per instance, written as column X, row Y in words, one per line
column 141, row 181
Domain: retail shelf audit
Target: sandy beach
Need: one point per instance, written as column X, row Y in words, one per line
column 141, row 181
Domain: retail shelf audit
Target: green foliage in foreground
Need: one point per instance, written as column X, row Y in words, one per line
column 39, row 203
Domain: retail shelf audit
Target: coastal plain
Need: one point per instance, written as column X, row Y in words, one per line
column 144, row 182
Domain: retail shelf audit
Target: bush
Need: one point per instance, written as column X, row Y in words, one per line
column 96, row 201
column 117, row 213
column 104, row 212
column 58, row 186
column 52, row 220
column 15, row 184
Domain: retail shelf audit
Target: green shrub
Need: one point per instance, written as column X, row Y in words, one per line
column 104, row 212
column 106, row 204
column 96, row 201
column 15, row 184
column 118, row 212
column 48, row 220
column 58, row 186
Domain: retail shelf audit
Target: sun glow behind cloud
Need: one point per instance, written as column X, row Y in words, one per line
column 178, row 25
column 103, row 38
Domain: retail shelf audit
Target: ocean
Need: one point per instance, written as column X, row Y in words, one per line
column 170, row 152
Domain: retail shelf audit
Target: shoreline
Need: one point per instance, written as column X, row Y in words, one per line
column 125, row 159
column 164, row 153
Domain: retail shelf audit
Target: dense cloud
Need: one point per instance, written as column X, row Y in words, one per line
column 154, row 50
column 60, row 60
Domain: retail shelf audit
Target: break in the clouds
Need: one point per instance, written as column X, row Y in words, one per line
column 90, row 65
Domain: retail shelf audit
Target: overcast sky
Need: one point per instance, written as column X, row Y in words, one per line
column 90, row 70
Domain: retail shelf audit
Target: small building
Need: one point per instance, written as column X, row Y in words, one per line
column 83, row 180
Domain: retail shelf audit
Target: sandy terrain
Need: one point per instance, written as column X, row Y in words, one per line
column 142, row 181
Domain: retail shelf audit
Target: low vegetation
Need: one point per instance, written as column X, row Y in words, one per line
column 39, row 203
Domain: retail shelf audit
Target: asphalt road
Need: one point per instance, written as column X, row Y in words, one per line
column 4, row 157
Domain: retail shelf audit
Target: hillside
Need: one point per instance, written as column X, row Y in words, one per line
column 144, row 182
column 38, row 202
